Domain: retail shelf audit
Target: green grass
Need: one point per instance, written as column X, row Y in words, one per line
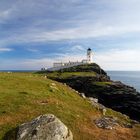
column 70, row 74
column 122, row 118
column 25, row 96
column 102, row 83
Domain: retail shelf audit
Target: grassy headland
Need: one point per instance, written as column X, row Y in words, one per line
column 24, row 96
column 94, row 82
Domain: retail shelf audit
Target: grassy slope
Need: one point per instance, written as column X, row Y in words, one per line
column 25, row 96
column 70, row 74
column 64, row 75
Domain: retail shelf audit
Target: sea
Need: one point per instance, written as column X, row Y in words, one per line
column 18, row 70
column 131, row 78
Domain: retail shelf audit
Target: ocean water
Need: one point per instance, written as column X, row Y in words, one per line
column 18, row 70
column 131, row 78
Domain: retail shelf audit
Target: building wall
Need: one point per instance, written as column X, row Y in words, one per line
column 58, row 66
column 63, row 67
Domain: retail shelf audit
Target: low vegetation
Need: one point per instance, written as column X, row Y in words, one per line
column 63, row 75
column 24, row 96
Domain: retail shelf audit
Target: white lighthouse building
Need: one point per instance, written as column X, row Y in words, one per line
column 89, row 55
column 62, row 65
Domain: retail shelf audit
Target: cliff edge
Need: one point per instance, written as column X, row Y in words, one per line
column 93, row 81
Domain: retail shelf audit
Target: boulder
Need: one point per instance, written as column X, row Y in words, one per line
column 44, row 127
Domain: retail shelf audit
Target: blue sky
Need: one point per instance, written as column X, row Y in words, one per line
column 35, row 33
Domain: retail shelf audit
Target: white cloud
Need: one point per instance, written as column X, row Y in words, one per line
column 108, row 60
column 119, row 59
column 98, row 24
column 7, row 13
column 4, row 14
column 37, row 64
column 84, row 32
column 30, row 22
column 5, row 49
column 77, row 47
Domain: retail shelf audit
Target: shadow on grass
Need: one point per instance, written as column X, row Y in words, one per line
column 11, row 134
column 23, row 92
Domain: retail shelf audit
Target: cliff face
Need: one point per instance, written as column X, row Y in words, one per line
column 94, row 82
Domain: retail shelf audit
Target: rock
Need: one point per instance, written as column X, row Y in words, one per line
column 44, row 127
column 106, row 122
column 93, row 99
column 53, row 87
column 53, row 84
column 94, row 102
column 76, row 91
column 109, row 122
column 127, row 125
column 82, row 95
column 135, row 122
column 65, row 84
column 9, row 72
column 104, row 111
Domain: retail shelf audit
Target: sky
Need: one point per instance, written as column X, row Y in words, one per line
column 36, row 33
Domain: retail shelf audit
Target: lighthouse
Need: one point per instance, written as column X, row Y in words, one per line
column 89, row 55
column 63, row 65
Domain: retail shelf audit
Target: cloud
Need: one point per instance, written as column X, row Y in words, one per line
column 5, row 49
column 25, row 64
column 37, row 64
column 113, row 59
column 119, row 59
column 75, row 49
column 98, row 23
column 80, row 21
column 4, row 14
column 97, row 31
column 32, row 50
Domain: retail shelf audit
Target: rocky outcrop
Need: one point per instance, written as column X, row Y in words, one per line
column 110, row 123
column 107, row 123
column 85, row 68
column 44, row 127
column 100, row 107
column 115, row 95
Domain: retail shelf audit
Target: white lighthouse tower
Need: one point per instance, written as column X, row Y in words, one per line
column 89, row 55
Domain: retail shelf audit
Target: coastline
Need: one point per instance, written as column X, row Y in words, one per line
column 131, row 78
